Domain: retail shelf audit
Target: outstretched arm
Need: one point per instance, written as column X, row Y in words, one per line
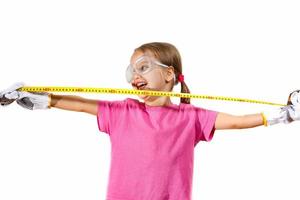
column 227, row 121
column 46, row 100
column 74, row 103
column 285, row 114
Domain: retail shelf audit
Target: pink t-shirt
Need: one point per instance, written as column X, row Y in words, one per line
column 152, row 148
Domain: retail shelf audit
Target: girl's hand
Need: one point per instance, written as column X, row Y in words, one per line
column 8, row 95
column 286, row 114
column 33, row 101
column 27, row 100
column 294, row 98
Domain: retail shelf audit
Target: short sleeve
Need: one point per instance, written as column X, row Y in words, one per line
column 205, row 124
column 108, row 114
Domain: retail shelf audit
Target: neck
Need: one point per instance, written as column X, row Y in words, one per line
column 159, row 101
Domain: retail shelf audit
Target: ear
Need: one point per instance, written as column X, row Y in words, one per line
column 170, row 73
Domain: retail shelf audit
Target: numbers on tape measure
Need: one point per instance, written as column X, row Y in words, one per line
column 141, row 92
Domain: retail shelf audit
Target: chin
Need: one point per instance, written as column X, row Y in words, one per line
column 144, row 97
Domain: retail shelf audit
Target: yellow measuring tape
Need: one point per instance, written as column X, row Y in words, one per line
column 141, row 92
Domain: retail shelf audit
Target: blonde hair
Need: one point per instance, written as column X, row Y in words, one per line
column 167, row 54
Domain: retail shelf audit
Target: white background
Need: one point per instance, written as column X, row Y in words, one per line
column 247, row 49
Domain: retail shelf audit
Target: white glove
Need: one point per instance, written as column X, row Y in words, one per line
column 294, row 98
column 31, row 101
column 4, row 95
column 286, row 114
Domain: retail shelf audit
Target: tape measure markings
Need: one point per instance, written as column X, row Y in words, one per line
column 141, row 92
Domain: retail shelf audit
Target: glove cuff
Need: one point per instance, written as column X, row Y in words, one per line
column 49, row 100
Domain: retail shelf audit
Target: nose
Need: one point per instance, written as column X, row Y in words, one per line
column 135, row 76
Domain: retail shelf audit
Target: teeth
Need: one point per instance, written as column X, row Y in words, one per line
column 140, row 84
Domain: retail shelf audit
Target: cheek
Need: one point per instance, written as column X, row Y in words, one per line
column 155, row 78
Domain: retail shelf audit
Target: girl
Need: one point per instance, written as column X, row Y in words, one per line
column 152, row 141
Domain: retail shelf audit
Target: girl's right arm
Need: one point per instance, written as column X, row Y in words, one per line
column 74, row 103
column 46, row 100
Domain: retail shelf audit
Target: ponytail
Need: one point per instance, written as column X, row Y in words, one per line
column 185, row 89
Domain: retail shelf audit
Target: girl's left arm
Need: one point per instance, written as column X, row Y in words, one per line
column 227, row 121
column 286, row 114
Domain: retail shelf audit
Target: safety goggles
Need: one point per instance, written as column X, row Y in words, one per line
column 141, row 66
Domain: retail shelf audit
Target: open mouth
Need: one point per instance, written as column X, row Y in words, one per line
column 140, row 86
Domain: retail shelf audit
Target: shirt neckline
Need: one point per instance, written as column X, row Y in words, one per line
column 172, row 105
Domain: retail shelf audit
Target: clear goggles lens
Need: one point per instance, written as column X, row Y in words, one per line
column 142, row 66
